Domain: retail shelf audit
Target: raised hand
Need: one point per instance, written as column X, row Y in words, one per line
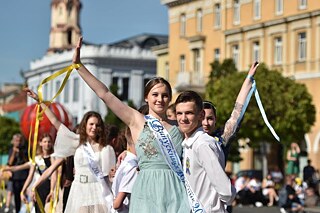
column 31, row 94
column 76, row 55
column 253, row 68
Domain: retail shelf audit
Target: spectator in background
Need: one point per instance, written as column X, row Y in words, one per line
column 171, row 112
column 269, row 190
column 308, row 173
column 112, row 133
column 18, row 155
column 242, row 190
column 277, row 177
column 288, row 199
column 293, row 160
column 311, row 199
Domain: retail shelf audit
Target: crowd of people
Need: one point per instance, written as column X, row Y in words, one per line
column 289, row 192
column 169, row 158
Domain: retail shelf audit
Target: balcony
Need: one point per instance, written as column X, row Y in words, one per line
column 190, row 81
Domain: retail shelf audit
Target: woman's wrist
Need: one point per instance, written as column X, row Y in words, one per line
column 250, row 77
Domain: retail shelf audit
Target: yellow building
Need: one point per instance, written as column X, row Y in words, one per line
column 284, row 34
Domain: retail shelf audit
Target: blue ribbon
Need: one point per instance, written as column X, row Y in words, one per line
column 263, row 113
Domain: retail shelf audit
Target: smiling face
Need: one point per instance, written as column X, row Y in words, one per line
column 188, row 117
column 209, row 121
column 158, row 99
column 91, row 127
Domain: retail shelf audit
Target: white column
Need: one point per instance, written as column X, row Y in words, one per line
column 136, row 87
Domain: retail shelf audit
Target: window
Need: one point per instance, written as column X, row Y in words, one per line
column 196, row 60
column 302, row 46
column 236, row 12
column 235, row 54
column 302, row 4
column 66, row 93
column 182, row 25
column 76, row 89
column 182, row 63
column 257, row 9
column 278, row 50
column 256, row 51
column 217, row 15
column 199, row 20
column 125, row 89
column 279, row 7
column 45, row 92
column 217, row 54
column 58, row 83
column 166, row 68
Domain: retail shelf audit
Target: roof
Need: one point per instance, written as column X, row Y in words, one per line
column 144, row 41
column 19, row 102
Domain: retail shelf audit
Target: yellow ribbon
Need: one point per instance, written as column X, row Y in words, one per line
column 39, row 117
column 3, row 189
column 56, row 198
column 39, row 113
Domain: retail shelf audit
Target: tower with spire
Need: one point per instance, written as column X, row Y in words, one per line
column 65, row 28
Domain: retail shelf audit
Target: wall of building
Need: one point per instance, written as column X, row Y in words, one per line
column 292, row 26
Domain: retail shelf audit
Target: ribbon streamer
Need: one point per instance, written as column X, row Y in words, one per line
column 262, row 111
column 39, row 117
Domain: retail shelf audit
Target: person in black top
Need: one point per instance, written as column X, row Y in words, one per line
column 18, row 155
column 308, row 173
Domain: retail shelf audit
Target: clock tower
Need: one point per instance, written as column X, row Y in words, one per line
column 65, row 29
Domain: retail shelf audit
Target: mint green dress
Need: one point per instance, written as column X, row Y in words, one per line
column 157, row 188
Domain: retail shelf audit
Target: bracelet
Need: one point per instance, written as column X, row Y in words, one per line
column 250, row 77
column 33, row 189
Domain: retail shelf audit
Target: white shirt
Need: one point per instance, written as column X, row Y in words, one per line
column 203, row 164
column 124, row 179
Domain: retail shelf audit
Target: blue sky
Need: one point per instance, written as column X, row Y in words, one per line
column 25, row 25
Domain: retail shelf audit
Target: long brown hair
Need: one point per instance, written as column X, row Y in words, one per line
column 39, row 148
column 154, row 81
column 100, row 131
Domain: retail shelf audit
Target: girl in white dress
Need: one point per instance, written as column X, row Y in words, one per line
column 90, row 190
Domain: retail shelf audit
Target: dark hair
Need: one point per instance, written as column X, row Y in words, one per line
column 209, row 105
column 112, row 131
column 144, row 109
column 154, row 81
column 172, row 107
column 190, row 96
column 100, row 131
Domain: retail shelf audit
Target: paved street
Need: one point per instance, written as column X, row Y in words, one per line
column 247, row 209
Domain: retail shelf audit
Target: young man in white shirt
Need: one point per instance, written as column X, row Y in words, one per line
column 203, row 159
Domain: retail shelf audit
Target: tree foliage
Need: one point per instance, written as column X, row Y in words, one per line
column 9, row 127
column 287, row 104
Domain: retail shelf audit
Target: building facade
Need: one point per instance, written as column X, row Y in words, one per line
column 128, row 63
column 284, row 34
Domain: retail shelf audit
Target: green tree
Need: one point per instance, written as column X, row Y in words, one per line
column 287, row 104
column 9, row 127
column 111, row 118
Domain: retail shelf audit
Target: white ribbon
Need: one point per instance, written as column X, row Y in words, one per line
column 96, row 170
column 172, row 158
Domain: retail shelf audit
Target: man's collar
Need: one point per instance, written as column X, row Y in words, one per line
column 187, row 142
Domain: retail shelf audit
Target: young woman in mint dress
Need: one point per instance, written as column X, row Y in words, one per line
column 157, row 188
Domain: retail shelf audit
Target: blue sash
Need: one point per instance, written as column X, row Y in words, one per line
column 172, row 158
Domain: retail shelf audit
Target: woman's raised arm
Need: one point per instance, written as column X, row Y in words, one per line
column 127, row 114
column 235, row 118
column 51, row 116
